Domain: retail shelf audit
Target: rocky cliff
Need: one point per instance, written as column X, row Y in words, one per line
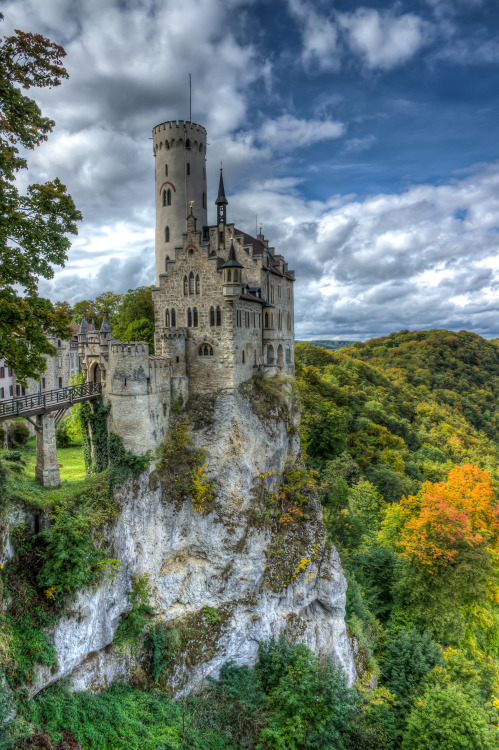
column 247, row 560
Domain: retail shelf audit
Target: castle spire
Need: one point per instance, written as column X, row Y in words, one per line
column 221, row 201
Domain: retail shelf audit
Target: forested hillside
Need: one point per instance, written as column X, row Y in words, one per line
column 404, row 433
column 403, row 436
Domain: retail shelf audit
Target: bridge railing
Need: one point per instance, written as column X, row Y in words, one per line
column 16, row 406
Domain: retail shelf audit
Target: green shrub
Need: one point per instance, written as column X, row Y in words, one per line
column 162, row 642
column 309, row 703
column 18, row 433
column 62, row 436
column 122, row 718
column 132, row 625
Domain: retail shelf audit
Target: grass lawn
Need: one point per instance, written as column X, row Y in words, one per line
column 24, row 486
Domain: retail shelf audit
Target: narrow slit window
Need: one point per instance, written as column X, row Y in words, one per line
column 186, row 288
column 219, row 316
column 167, row 318
column 195, row 316
column 174, row 318
column 189, row 317
column 167, row 234
column 191, row 283
column 212, row 316
column 198, row 285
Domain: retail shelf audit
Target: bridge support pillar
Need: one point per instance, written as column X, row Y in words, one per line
column 47, row 471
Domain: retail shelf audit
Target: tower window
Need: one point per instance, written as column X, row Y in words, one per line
column 266, row 320
column 166, row 170
column 219, row 316
column 174, row 319
column 191, row 283
column 187, row 143
column 221, row 237
column 195, row 314
column 204, row 200
column 229, row 275
column 198, row 285
column 187, row 168
column 244, row 356
column 235, row 275
column 168, row 197
column 167, row 234
column 212, row 316
column 186, row 289
column 189, row 318
column 167, row 318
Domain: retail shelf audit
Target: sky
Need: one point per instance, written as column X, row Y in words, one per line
column 362, row 135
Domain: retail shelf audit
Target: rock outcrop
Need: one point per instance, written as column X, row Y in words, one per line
column 229, row 571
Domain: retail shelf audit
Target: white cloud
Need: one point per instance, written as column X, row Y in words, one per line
column 320, row 36
column 384, row 40
column 287, row 132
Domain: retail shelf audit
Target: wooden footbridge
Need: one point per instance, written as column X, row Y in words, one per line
column 48, row 401
column 41, row 406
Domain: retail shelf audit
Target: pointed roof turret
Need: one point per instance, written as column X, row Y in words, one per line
column 221, row 199
column 83, row 326
column 105, row 327
column 231, row 261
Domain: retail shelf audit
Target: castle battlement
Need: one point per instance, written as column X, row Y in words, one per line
column 130, row 349
column 185, row 124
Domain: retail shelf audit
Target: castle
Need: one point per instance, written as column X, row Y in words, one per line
column 223, row 303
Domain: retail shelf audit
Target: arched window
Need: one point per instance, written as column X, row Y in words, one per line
column 166, row 165
column 188, row 168
column 279, row 320
column 195, row 313
column 229, row 275
column 200, row 147
column 288, row 354
column 205, row 350
column 165, row 198
column 219, row 316
column 167, row 147
column 186, row 288
column 235, row 275
column 266, row 320
column 189, row 317
column 174, row 318
column 167, row 234
column 244, row 357
column 167, row 318
column 191, row 283
column 204, row 200
column 198, row 285
column 168, row 197
column 187, row 143
column 212, row 316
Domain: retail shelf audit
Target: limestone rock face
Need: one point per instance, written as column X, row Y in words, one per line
column 223, row 559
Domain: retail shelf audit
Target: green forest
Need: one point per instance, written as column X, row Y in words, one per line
column 402, row 436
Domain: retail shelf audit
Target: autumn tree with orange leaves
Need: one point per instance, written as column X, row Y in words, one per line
column 445, row 518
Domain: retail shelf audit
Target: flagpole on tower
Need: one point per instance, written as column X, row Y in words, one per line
column 190, row 98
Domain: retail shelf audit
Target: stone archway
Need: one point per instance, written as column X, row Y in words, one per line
column 270, row 354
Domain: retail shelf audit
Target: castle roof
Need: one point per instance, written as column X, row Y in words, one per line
column 221, row 199
column 232, row 262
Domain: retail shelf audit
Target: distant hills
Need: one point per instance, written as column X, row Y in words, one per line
column 327, row 344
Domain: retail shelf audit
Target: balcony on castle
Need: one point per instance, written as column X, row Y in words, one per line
column 232, row 291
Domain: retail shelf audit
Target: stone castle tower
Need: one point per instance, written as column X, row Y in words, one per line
column 179, row 178
column 225, row 296
column 223, row 303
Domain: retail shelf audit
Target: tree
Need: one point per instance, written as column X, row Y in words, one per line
column 135, row 316
column 447, row 719
column 33, row 224
column 446, row 518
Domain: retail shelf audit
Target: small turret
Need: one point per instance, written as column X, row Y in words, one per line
column 232, row 274
column 221, row 201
